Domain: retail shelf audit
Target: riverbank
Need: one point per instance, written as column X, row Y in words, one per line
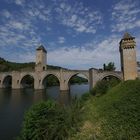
column 113, row 116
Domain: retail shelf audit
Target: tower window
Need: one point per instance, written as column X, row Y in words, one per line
column 43, row 68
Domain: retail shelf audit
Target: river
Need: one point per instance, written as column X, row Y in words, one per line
column 13, row 104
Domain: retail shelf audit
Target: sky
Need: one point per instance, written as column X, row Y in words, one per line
column 77, row 34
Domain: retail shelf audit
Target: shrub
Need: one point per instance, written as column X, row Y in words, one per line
column 103, row 86
column 85, row 96
column 49, row 120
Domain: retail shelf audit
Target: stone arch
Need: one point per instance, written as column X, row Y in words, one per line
column 74, row 74
column 111, row 74
column 27, row 81
column 43, row 82
column 7, row 81
column 71, row 75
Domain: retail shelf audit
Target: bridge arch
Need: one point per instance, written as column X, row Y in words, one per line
column 7, row 81
column 71, row 76
column 45, row 77
column 111, row 75
column 77, row 73
column 26, row 80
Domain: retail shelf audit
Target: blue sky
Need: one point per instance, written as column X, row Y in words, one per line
column 78, row 34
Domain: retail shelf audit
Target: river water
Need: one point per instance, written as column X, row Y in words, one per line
column 13, row 104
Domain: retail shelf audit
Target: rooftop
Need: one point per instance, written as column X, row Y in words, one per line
column 41, row 47
column 127, row 36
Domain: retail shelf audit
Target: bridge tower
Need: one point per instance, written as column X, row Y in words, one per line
column 40, row 59
column 128, row 57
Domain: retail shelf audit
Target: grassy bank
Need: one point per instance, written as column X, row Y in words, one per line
column 113, row 116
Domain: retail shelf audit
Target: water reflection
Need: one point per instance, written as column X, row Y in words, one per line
column 14, row 103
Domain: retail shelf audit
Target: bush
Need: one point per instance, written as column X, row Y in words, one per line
column 48, row 120
column 85, row 96
column 103, row 86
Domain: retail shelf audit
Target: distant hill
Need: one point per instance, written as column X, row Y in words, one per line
column 11, row 66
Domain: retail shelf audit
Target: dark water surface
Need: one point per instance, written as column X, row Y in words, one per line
column 13, row 104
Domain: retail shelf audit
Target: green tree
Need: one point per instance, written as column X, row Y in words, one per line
column 110, row 66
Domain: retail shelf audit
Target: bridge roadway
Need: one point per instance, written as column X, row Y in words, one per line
column 16, row 78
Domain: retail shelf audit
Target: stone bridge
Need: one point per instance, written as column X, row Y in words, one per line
column 16, row 79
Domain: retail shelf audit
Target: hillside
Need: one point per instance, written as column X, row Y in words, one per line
column 113, row 116
column 10, row 66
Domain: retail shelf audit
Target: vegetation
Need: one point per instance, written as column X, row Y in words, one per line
column 11, row 66
column 109, row 67
column 104, row 85
column 53, row 81
column 49, row 120
column 113, row 116
column 77, row 79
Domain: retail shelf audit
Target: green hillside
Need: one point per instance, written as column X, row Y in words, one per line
column 10, row 66
column 113, row 116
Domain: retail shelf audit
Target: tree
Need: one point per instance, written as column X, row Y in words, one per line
column 110, row 66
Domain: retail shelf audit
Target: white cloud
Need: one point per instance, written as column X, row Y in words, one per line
column 61, row 39
column 85, row 57
column 6, row 13
column 19, row 2
column 17, row 25
column 18, row 29
column 125, row 15
column 78, row 17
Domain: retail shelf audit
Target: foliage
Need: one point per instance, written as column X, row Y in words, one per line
column 77, row 79
column 109, row 67
column 51, row 81
column 86, row 96
column 103, row 86
column 49, row 120
column 113, row 116
column 13, row 66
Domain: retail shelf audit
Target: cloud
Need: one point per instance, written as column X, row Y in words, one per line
column 6, row 13
column 78, row 17
column 21, row 31
column 80, row 57
column 125, row 15
column 18, row 28
column 61, row 39
column 19, row 2
column 85, row 57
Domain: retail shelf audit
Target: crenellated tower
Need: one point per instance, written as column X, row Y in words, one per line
column 41, row 59
column 128, row 57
